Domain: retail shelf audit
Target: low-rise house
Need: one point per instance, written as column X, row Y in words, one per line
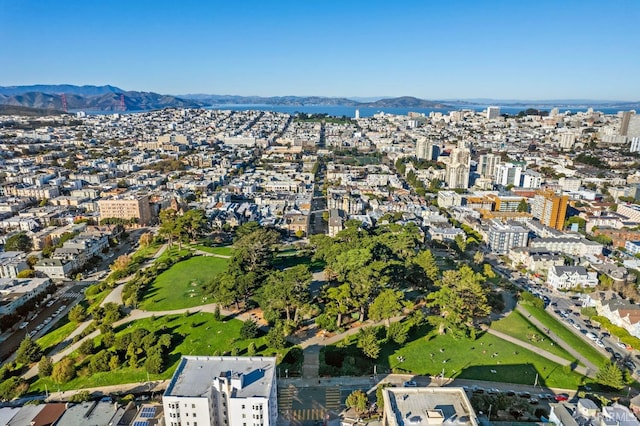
column 12, row 263
column 570, row 277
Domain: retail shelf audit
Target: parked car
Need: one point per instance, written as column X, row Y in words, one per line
column 410, row 384
column 561, row 397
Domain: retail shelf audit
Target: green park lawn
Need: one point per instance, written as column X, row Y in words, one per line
column 222, row 250
column 193, row 334
column 567, row 335
column 52, row 338
column 181, row 285
column 460, row 358
column 516, row 325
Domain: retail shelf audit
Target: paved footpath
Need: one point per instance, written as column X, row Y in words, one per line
column 551, row 357
column 591, row 368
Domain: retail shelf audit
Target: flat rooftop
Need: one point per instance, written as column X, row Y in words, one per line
column 428, row 406
column 195, row 375
column 91, row 413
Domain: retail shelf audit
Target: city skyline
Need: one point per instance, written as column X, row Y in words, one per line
column 452, row 50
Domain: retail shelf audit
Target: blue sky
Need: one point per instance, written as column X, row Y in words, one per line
column 517, row 49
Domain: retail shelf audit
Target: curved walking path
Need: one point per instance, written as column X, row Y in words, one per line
column 548, row 355
column 591, row 368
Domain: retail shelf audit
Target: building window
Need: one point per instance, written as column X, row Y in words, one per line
column 194, row 414
column 243, row 406
column 193, row 405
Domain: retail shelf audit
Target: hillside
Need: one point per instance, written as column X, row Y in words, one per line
column 108, row 101
column 27, row 112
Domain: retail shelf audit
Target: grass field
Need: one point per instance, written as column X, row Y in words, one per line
column 49, row 340
column 461, row 358
column 222, row 251
column 181, row 285
column 516, row 325
column 194, row 334
column 567, row 335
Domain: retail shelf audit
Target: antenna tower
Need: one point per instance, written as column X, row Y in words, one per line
column 64, row 103
column 123, row 107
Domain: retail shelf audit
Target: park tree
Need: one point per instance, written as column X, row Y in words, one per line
column 478, row 257
column 339, row 302
column 13, row 387
column 368, row 342
column 45, row 366
column 100, row 362
column 154, row 362
column 192, row 224
column 121, row 263
column 77, row 314
column 358, row 401
column 461, row 243
column 28, row 351
column 63, row 371
column 168, row 225
column 145, row 239
column 249, row 329
column 487, row 271
column 18, row 242
column 611, row 376
column 86, row 347
column 427, row 263
column 460, row 301
column 386, row 305
column 276, row 338
column 114, row 362
column 397, row 332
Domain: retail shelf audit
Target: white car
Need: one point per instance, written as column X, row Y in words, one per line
column 23, row 325
column 621, row 345
column 600, row 343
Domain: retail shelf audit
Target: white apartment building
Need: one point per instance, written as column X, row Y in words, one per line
column 568, row 277
column 222, row 391
column 501, row 238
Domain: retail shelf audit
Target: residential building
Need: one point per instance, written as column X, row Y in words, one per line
column 502, row 237
column 15, row 292
column 493, row 112
column 132, row 207
column 550, row 209
column 12, row 263
column 568, row 245
column 222, row 391
column 422, row 406
column 569, row 277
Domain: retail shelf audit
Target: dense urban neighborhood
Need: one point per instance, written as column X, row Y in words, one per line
column 188, row 267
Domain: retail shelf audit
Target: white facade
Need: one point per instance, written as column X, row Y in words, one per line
column 222, row 391
column 568, row 277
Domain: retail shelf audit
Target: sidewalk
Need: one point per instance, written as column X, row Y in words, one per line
column 591, row 368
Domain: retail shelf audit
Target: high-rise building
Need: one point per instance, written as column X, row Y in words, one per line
column 493, row 112
column 550, row 208
column 508, row 174
column 427, row 150
column 567, row 139
column 487, row 165
column 222, row 391
column 624, row 123
column 458, row 168
column 357, row 114
column 501, row 238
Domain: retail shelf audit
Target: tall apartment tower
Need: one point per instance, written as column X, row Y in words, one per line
column 458, row 168
column 493, row 112
column 624, row 124
column 427, row 150
column 549, row 208
column 487, row 165
column 357, row 114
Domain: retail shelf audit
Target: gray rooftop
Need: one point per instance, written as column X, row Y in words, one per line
column 428, row 406
column 195, row 375
column 93, row 413
column 25, row 415
column 7, row 413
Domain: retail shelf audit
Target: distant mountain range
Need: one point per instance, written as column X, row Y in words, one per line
column 89, row 98
column 108, row 98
